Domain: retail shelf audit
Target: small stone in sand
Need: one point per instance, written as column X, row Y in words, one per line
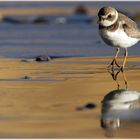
column 42, row 58
column 90, row 106
column 26, row 77
column 86, row 106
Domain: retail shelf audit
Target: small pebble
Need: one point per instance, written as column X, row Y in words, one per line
column 90, row 106
column 42, row 58
column 26, row 77
column 86, row 106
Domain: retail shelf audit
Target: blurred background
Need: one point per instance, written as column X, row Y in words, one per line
column 57, row 29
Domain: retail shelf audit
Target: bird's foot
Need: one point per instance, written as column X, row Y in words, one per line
column 122, row 68
column 112, row 67
column 113, row 63
column 117, row 65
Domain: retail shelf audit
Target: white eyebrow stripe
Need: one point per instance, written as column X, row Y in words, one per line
column 104, row 16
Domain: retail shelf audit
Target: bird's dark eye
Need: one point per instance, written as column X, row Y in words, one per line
column 109, row 16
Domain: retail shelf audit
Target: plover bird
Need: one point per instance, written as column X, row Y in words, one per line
column 117, row 30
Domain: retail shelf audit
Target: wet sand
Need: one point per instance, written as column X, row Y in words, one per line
column 45, row 105
column 42, row 11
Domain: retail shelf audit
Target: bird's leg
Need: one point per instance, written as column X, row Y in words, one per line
column 115, row 59
column 125, row 58
column 116, row 79
column 115, row 76
column 125, row 80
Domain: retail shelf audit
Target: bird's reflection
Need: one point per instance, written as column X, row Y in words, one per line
column 117, row 105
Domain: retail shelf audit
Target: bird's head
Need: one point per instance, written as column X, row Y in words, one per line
column 107, row 16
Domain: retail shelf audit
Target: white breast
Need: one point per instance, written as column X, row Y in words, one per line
column 118, row 38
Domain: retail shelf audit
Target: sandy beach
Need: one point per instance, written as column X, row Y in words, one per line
column 45, row 103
